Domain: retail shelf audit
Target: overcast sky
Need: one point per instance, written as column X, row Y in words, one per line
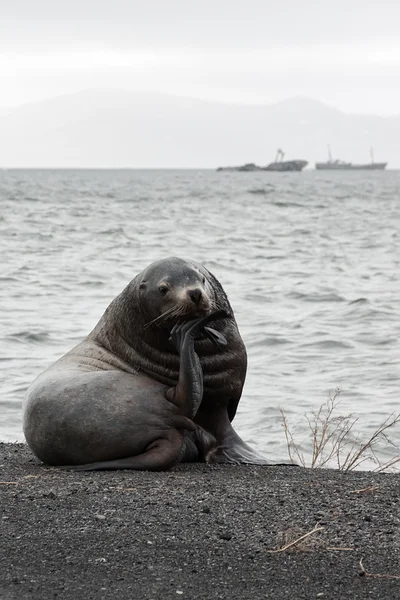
column 345, row 53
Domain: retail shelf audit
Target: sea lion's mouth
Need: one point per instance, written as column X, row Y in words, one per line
column 192, row 311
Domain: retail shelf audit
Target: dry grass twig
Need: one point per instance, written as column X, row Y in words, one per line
column 296, row 541
column 387, row 465
column 365, row 573
column 333, row 439
column 371, row 488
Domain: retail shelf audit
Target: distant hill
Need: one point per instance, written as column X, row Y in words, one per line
column 119, row 128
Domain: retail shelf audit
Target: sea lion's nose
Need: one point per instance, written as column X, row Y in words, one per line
column 195, row 295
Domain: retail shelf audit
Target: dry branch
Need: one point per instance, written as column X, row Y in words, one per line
column 297, row 541
column 371, row 488
column 365, row 573
column 333, row 439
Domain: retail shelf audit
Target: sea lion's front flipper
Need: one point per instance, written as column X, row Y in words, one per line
column 233, row 450
column 216, row 337
column 239, row 455
column 188, row 393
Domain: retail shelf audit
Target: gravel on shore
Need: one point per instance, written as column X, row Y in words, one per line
column 197, row 531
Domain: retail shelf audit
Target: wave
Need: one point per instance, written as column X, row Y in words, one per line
column 261, row 191
column 327, row 344
column 29, row 336
column 316, row 297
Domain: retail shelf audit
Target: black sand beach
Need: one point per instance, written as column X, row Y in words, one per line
column 196, row 532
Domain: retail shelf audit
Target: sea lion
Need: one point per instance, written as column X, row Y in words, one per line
column 140, row 392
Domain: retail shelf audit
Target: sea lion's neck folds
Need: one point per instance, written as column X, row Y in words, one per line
column 138, row 355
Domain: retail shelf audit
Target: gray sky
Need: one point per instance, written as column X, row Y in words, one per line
column 345, row 53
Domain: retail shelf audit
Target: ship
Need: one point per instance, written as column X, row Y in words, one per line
column 246, row 167
column 341, row 165
column 285, row 165
column 278, row 165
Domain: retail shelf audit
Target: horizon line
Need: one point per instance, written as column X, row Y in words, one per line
column 310, row 169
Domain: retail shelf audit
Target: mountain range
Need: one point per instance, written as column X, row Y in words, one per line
column 130, row 129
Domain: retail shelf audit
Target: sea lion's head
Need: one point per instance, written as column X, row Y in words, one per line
column 174, row 289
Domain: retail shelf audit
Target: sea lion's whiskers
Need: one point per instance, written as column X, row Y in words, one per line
column 174, row 311
column 166, row 313
column 213, row 305
column 178, row 312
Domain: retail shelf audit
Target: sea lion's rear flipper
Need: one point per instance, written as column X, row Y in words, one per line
column 198, row 446
column 161, row 455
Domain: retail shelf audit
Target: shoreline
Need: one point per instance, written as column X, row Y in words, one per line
column 196, row 531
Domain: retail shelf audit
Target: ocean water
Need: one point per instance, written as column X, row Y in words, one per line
column 310, row 262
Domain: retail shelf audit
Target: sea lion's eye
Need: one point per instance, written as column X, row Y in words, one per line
column 142, row 285
column 163, row 289
column 204, row 280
